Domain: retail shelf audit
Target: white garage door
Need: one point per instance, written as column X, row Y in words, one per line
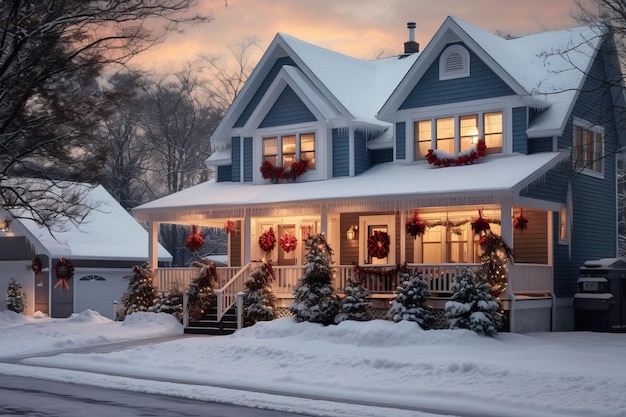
column 97, row 290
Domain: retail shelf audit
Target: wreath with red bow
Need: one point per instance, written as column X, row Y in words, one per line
column 64, row 272
column 195, row 240
column 288, row 242
column 480, row 224
column 416, row 226
column 378, row 245
column 520, row 222
column 267, row 240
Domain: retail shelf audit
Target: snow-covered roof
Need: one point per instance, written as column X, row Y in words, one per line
column 397, row 186
column 546, row 69
column 108, row 232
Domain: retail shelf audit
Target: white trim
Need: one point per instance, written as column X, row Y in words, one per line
column 463, row 56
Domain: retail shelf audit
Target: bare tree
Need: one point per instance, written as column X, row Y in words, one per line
column 51, row 107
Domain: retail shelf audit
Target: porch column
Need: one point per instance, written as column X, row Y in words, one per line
column 324, row 220
column 153, row 245
column 247, row 231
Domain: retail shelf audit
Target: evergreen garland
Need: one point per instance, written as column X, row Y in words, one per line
column 315, row 299
column 259, row 301
column 355, row 304
column 409, row 304
column 472, row 306
column 16, row 297
column 140, row 293
column 201, row 289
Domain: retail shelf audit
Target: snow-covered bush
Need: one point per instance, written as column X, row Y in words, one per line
column 355, row 304
column 201, row 289
column 141, row 292
column 410, row 302
column 259, row 300
column 170, row 303
column 472, row 306
column 315, row 299
column 16, row 297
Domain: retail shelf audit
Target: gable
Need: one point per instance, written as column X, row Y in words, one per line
column 260, row 92
column 288, row 109
column 482, row 83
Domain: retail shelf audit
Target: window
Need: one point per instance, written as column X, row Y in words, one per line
column 454, row 62
column 92, row 278
column 563, row 225
column 284, row 150
column 588, row 147
column 458, row 133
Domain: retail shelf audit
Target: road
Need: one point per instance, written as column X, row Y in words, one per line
column 40, row 398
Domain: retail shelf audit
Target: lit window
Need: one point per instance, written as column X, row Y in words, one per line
column 284, row 150
column 563, row 225
column 493, row 132
column 422, row 139
column 468, row 127
column 445, row 134
column 588, row 148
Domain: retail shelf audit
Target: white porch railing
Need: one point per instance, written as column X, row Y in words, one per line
column 179, row 278
column 227, row 293
column 530, row 278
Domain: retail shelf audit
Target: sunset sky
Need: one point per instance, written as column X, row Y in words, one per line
column 360, row 28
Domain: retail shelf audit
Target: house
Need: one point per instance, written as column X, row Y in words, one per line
column 74, row 267
column 521, row 133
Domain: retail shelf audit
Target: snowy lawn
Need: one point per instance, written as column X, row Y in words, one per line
column 376, row 363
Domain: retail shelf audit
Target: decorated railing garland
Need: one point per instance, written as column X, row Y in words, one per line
column 441, row 158
column 274, row 173
column 195, row 240
column 288, row 242
column 416, row 226
column 267, row 240
column 64, row 272
column 378, row 245
column 36, row 265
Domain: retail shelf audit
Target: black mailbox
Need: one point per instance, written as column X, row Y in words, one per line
column 600, row 302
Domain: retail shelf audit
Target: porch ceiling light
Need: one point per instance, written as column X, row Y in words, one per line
column 351, row 233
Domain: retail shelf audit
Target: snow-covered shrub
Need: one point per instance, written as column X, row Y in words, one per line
column 259, row 300
column 141, row 292
column 16, row 297
column 170, row 303
column 410, row 302
column 315, row 299
column 201, row 289
column 472, row 306
column 355, row 304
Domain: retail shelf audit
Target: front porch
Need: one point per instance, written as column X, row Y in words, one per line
column 528, row 285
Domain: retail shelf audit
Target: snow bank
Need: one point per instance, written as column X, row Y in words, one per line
column 10, row 318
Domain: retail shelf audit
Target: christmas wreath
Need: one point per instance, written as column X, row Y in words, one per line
column 378, row 245
column 64, row 272
column 230, row 226
column 36, row 265
column 520, row 222
column 195, row 240
column 267, row 240
column 415, row 226
column 288, row 242
column 440, row 158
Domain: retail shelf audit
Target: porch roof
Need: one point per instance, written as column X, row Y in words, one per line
column 387, row 186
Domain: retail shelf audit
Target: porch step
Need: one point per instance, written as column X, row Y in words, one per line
column 210, row 326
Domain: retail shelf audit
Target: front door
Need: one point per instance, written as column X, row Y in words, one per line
column 287, row 255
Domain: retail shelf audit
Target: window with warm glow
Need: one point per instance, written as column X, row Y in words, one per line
column 284, row 150
column 445, row 134
column 423, row 137
column 588, row 148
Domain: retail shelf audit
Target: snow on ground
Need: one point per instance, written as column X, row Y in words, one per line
column 363, row 366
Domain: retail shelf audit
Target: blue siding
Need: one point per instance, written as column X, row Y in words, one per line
column 539, row 145
column 594, row 232
column 341, row 152
column 224, row 173
column 553, row 185
column 520, row 124
column 382, row 155
column 363, row 159
column 247, row 160
column 481, row 84
column 401, row 140
column 236, row 159
column 262, row 89
column 288, row 109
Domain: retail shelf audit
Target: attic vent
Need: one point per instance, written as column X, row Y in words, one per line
column 454, row 62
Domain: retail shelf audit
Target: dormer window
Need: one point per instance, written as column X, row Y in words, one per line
column 285, row 149
column 454, row 62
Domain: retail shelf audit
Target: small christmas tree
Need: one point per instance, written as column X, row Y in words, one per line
column 16, row 297
column 472, row 306
column 494, row 257
column 170, row 303
column 259, row 300
column 355, row 304
column 140, row 293
column 201, row 289
column 409, row 304
column 315, row 300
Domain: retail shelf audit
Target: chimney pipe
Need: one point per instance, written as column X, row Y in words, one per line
column 411, row 47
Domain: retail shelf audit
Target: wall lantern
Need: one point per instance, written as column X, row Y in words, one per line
column 351, row 233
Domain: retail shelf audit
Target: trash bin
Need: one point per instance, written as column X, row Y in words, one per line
column 600, row 303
